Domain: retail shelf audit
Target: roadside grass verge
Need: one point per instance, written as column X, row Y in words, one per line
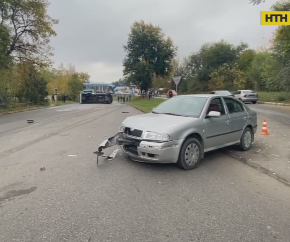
column 22, row 107
column 18, row 109
column 60, row 103
column 279, row 97
column 144, row 104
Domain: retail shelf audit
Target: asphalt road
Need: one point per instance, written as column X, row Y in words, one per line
column 121, row 200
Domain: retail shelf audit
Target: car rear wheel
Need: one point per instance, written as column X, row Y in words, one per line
column 254, row 102
column 247, row 139
column 190, row 154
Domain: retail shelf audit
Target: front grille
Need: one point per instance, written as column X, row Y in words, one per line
column 131, row 149
column 135, row 132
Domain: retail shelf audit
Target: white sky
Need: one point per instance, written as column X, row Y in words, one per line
column 91, row 33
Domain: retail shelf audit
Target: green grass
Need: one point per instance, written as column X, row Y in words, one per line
column 282, row 97
column 145, row 105
column 60, row 103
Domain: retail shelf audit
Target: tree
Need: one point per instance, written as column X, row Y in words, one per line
column 262, row 72
column 30, row 29
column 210, row 57
column 4, row 45
column 123, row 81
column 245, row 60
column 257, row 2
column 281, row 50
column 75, row 86
column 84, row 77
column 148, row 53
column 34, row 88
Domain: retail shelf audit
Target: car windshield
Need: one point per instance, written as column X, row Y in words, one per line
column 191, row 106
column 223, row 93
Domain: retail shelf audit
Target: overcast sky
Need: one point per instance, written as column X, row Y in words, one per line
column 91, row 33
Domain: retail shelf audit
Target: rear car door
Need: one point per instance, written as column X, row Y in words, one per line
column 238, row 116
column 217, row 129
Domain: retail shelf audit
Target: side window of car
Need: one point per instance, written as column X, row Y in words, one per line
column 216, row 105
column 234, row 106
column 238, row 92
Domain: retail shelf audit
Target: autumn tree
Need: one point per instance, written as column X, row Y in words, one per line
column 148, row 53
column 75, row 86
column 29, row 27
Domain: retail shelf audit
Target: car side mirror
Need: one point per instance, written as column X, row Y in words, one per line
column 214, row 114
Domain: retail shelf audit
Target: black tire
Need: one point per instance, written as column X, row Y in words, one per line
column 254, row 102
column 246, row 145
column 182, row 154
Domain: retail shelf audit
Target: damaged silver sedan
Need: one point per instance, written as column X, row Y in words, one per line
column 182, row 129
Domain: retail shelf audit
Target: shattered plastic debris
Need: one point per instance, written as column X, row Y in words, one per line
column 42, row 168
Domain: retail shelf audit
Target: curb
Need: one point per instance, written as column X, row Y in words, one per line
column 274, row 103
column 22, row 110
column 136, row 108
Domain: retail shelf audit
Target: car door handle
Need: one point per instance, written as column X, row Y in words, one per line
column 228, row 122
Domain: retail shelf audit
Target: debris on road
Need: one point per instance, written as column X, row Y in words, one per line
column 42, row 168
column 113, row 155
column 30, row 121
column 72, row 155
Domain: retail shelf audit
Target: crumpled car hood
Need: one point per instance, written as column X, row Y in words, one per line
column 161, row 123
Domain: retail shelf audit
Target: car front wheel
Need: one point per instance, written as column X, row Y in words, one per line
column 254, row 102
column 190, row 154
column 247, row 139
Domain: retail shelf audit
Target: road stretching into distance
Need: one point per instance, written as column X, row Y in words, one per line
column 121, row 200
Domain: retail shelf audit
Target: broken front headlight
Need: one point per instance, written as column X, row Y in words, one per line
column 155, row 136
column 122, row 129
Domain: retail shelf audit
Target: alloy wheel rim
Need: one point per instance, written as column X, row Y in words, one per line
column 247, row 139
column 192, row 153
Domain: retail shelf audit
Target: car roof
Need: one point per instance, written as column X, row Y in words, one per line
column 204, row 95
column 199, row 95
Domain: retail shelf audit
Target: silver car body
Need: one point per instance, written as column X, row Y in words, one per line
column 246, row 95
column 214, row 133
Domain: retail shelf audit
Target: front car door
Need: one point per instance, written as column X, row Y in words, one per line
column 217, row 129
column 238, row 116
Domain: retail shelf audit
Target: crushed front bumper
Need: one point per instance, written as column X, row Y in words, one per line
column 144, row 151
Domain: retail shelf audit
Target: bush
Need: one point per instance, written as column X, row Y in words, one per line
column 282, row 97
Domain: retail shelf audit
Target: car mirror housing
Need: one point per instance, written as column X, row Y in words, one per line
column 214, row 114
